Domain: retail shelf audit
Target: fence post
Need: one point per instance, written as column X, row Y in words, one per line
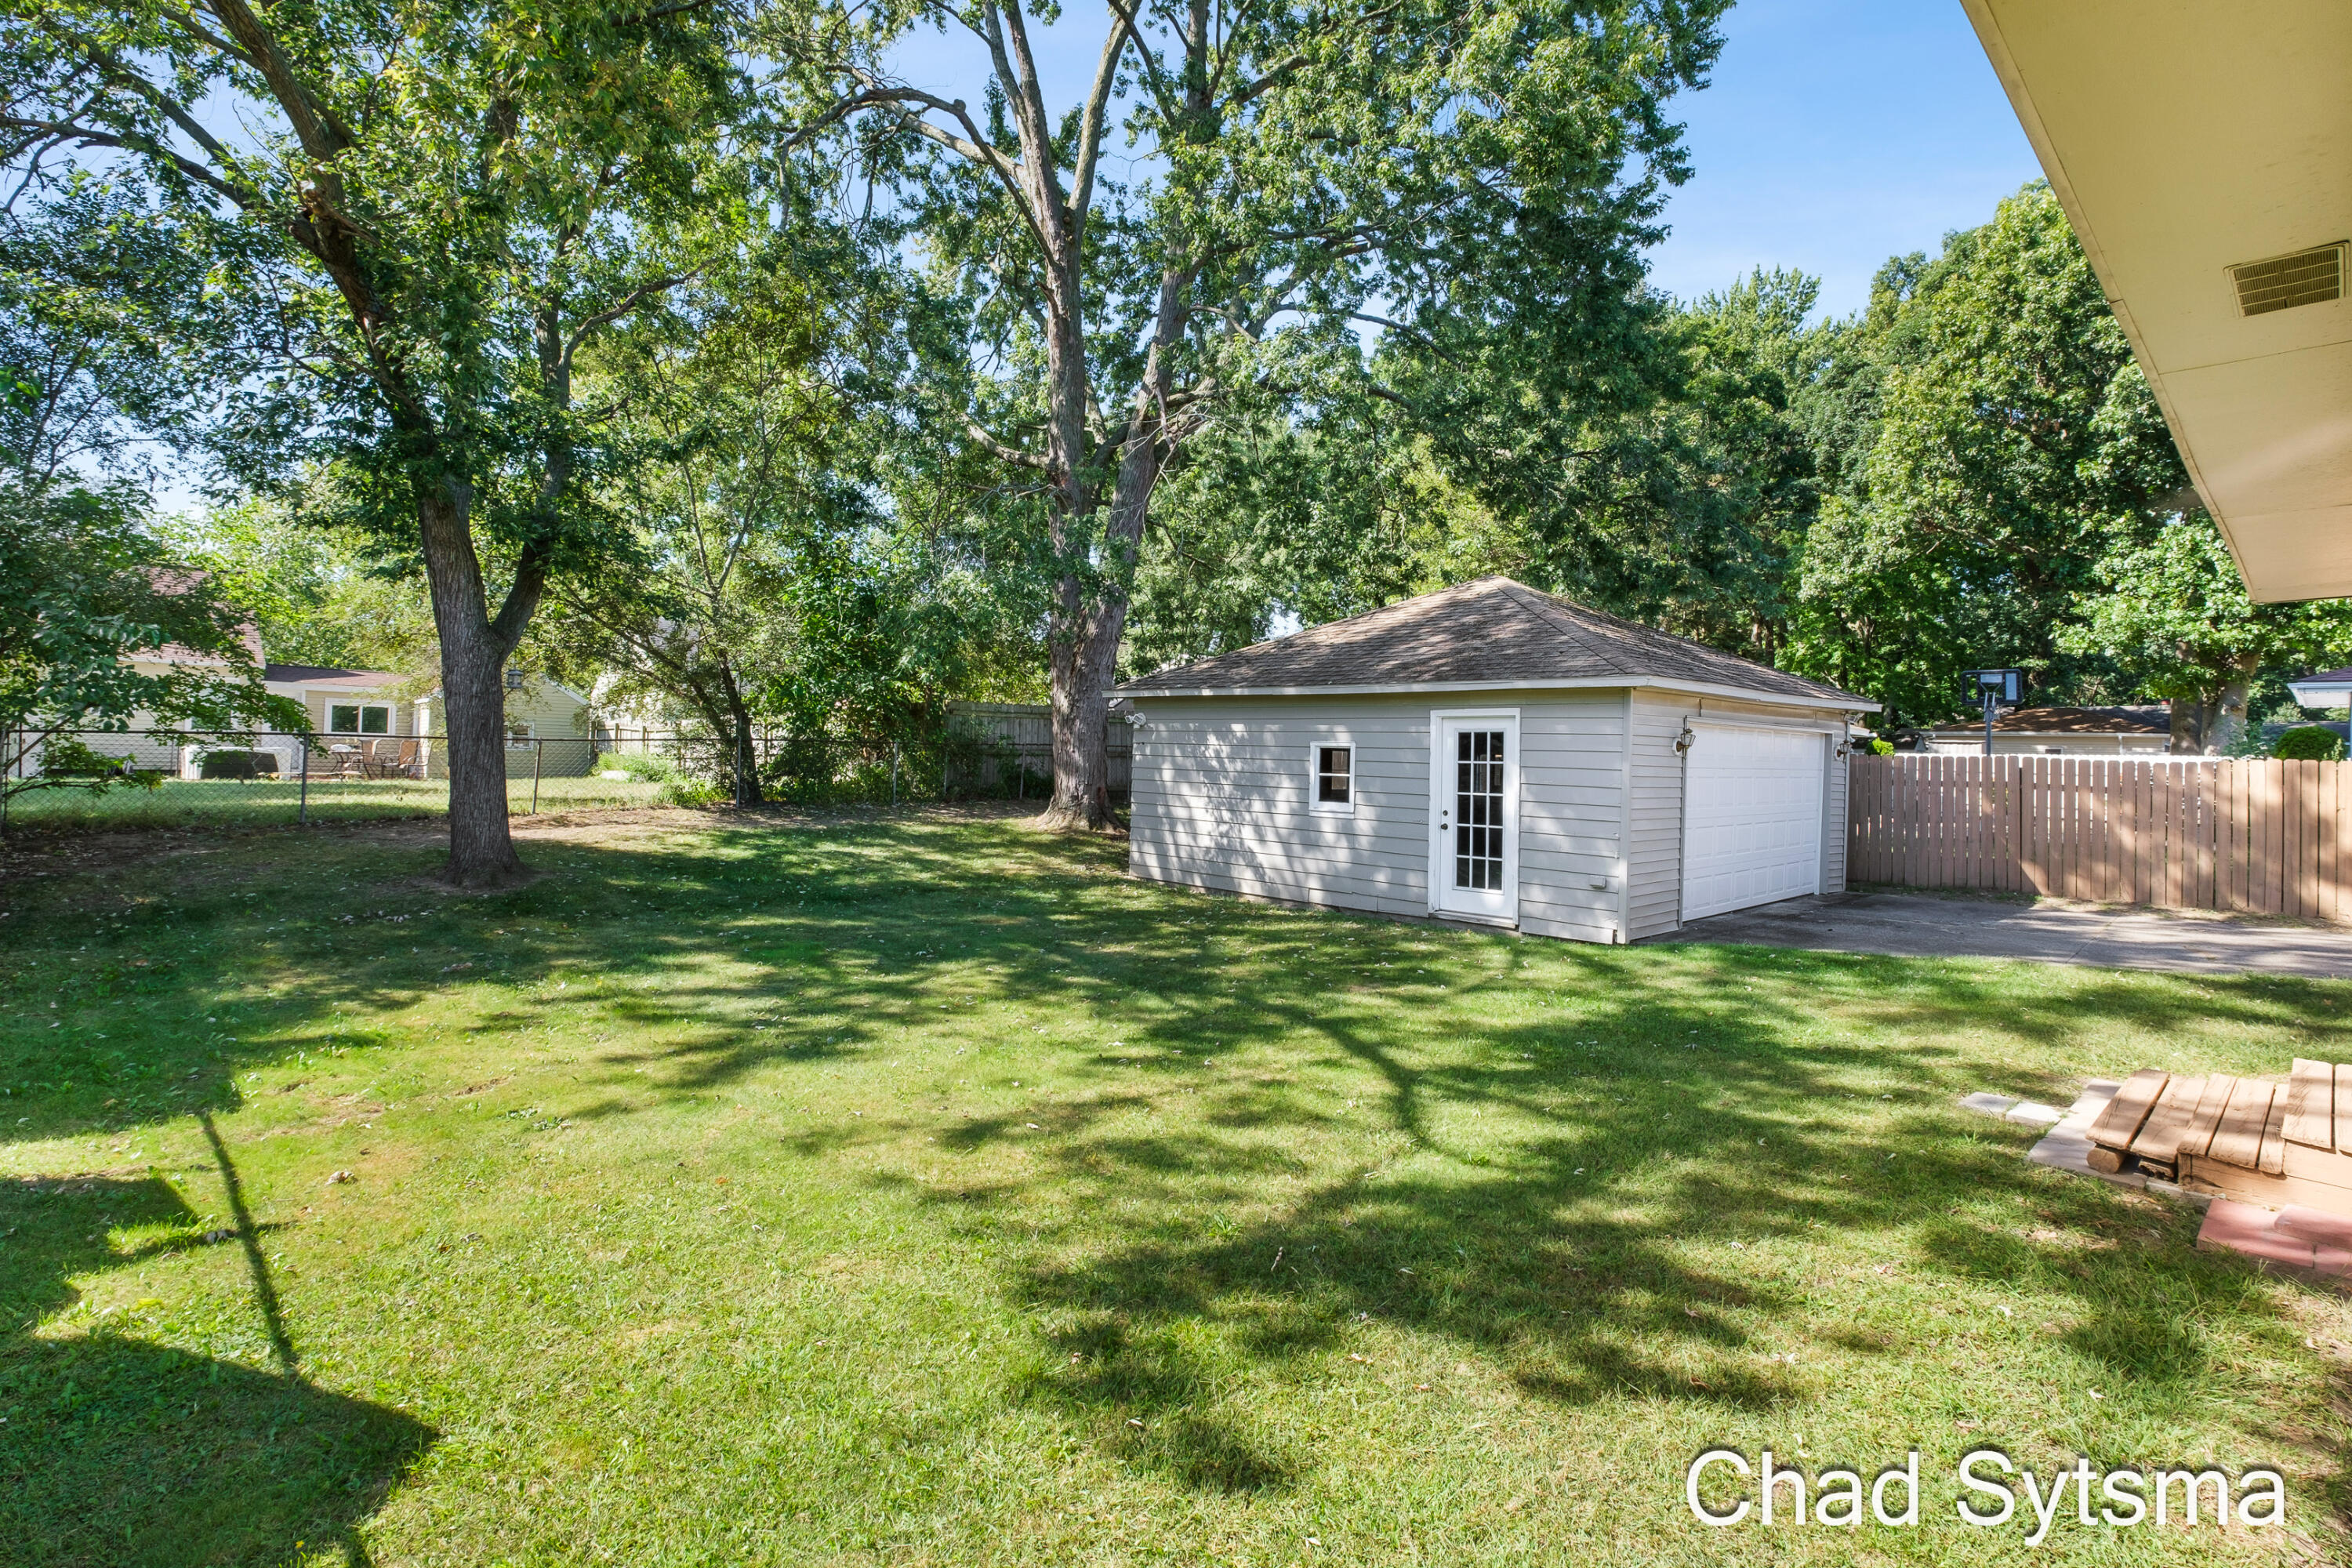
column 894, row 776
column 302, row 761
column 538, row 755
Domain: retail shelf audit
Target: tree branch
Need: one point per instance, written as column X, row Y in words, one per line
column 628, row 303
column 206, row 36
column 523, row 595
column 1008, row 453
column 84, row 136
column 1090, row 126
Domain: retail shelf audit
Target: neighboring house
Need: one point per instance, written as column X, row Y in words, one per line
column 2328, row 689
column 2138, row 732
column 368, row 724
column 366, row 704
column 549, row 728
column 639, row 723
column 340, row 701
column 1494, row 754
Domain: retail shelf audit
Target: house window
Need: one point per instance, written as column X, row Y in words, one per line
column 1335, row 769
column 359, row 719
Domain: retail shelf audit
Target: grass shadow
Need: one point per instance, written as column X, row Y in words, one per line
column 117, row 1450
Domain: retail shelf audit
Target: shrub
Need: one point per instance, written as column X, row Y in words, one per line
column 1882, row 748
column 239, row 765
column 691, row 792
column 2310, row 742
column 648, row 765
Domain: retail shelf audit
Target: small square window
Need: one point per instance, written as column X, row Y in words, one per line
column 343, row 719
column 1334, row 768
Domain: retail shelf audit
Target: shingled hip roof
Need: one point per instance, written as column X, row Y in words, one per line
column 1490, row 634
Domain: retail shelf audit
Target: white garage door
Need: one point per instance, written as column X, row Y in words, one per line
column 1751, row 817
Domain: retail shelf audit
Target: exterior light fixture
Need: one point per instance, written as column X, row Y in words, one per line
column 1994, row 687
column 1683, row 741
column 514, row 678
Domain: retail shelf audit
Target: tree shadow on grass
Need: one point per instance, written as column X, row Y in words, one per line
column 1614, row 1256
column 1673, row 1102
column 117, row 1451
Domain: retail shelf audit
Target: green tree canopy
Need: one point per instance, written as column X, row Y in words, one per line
column 1993, row 440
column 1286, row 171
column 2172, row 609
column 433, row 210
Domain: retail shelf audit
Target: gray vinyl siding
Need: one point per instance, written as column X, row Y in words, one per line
column 1572, row 811
column 1655, row 862
column 1223, row 789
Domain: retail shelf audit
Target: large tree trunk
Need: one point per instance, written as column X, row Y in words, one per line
column 2187, row 727
column 2205, row 723
column 1089, row 617
column 2230, row 703
column 746, row 758
column 1088, row 622
column 473, row 695
column 1085, row 654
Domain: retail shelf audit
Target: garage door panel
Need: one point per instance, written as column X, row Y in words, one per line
column 1752, row 819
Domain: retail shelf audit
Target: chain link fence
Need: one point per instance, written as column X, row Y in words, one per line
column 105, row 778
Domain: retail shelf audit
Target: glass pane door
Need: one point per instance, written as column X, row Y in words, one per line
column 1478, row 764
column 1473, row 783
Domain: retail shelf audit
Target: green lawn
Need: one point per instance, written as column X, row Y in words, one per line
column 919, row 1190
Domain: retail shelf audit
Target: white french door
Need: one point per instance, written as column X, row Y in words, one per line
column 1474, row 861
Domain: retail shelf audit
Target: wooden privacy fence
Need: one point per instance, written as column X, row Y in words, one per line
column 2258, row 835
column 1016, row 754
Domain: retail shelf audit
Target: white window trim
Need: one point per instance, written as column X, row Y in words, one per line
column 1441, row 781
column 1319, row 807
column 363, row 732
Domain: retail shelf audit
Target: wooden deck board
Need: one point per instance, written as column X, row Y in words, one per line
column 2166, row 1126
column 2215, row 1099
column 2271, row 1160
column 2311, row 1104
column 2120, row 1121
column 2238, row 1140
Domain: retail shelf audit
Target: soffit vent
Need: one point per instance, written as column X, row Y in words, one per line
column 2307, row 278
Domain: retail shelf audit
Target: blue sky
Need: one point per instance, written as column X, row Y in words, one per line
column 1837, row 133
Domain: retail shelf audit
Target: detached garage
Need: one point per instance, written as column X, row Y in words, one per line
column 1494, row 754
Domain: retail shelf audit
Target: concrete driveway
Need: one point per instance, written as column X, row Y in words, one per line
column 1910, row 925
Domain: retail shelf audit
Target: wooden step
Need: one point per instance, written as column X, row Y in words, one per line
column 2167, row 1126
column 2218, row 1087
column 2238, row 1140
column 2311, row 1104
column 2119, row 1123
